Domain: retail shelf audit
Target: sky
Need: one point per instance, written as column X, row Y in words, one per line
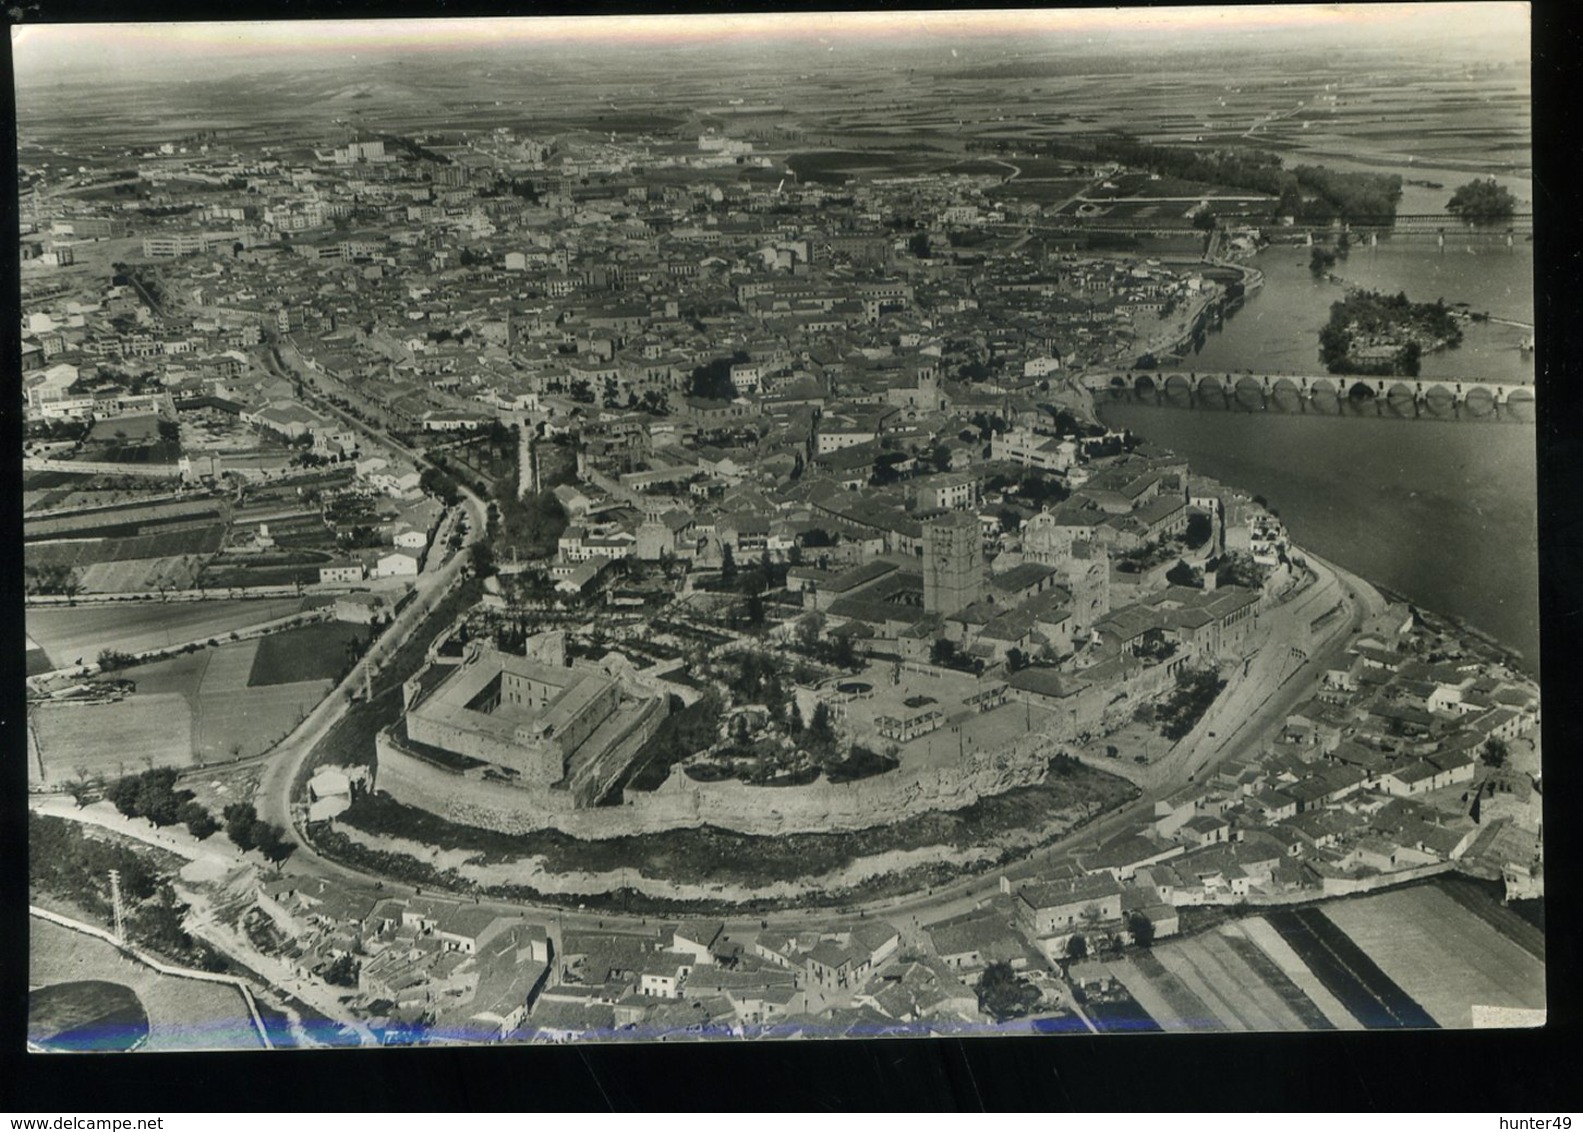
column 52, row 52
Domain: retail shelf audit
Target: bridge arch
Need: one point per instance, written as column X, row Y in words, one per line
column 1479, row 400
column 1144, row 383
column 1520, row 403
column 1211, row 383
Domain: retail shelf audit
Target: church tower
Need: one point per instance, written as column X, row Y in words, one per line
column 953, row 563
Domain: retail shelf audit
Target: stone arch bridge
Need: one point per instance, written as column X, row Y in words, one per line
column 1445, row 390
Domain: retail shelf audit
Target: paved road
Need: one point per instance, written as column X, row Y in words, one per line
column 273, row 798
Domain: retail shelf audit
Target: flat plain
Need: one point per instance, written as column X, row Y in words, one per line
column 183, row 1014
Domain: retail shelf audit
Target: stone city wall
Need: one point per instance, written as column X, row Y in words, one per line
column 471, row 799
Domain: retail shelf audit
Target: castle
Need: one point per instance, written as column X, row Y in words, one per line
column 563, row 733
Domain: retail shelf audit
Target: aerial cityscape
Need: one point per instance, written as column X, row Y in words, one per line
column 753, row 527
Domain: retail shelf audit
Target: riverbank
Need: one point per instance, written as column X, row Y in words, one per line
column 1442, row 514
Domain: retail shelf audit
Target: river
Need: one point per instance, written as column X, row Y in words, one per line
column 1444, row 512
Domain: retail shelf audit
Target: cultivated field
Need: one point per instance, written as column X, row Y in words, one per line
column 202, row 707
column 114, row 738
column 1217, row 981
column 313, row 652
column 81, row 631
column 1423, row 956
column 1440, row 953
column 87, row 1016
column 144, row 575
column 1258, row 932
column 201, row 539
column 1348, row 972
column 183, row 1014
column 248, row 722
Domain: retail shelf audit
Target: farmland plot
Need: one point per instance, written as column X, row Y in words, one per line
column 1260, row 934
column 242, row 723
column 1442, row 954
column 144, row 575
column 1348, row 972
column 81, row 631
column 313, row 652
column 111, row 739
column 1217, row 981
column 1155, row 989
column 1239, row 998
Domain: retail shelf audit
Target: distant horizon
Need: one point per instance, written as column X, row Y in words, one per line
column 111, row 52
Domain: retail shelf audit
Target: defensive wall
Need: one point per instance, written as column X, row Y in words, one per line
column 821, row 807
column 477, row 797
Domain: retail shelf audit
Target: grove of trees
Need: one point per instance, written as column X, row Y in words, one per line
column 1195, row 690
column 1482, row 202
column 1003, row 994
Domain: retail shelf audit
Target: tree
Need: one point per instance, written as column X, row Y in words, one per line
column 122, row 794
column 753, row 612
column 240, row 820
column 81, row 788
column 712, row 381
column 810, row 629
column 1142, row 929
column 942, row 652
column 156, row 796
column 483, row 559
column 1002, row 994
column 1482, row 202
column 441, row 486
column 1181, row 574
column 199, row 821
column 728, row 565
column 1205, row 221
column 150, row 794
column 111, row 660
column 1015, row 660
column 341, row 972
column 1076, row 947
column 271, row 841
column 1495, row 752
column 820, row 736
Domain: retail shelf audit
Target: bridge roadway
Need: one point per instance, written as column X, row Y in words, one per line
column 1309, row 386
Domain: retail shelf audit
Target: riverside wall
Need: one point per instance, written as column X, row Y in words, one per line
column 820, row 807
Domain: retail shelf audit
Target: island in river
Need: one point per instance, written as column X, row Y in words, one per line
column 1375, row 335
